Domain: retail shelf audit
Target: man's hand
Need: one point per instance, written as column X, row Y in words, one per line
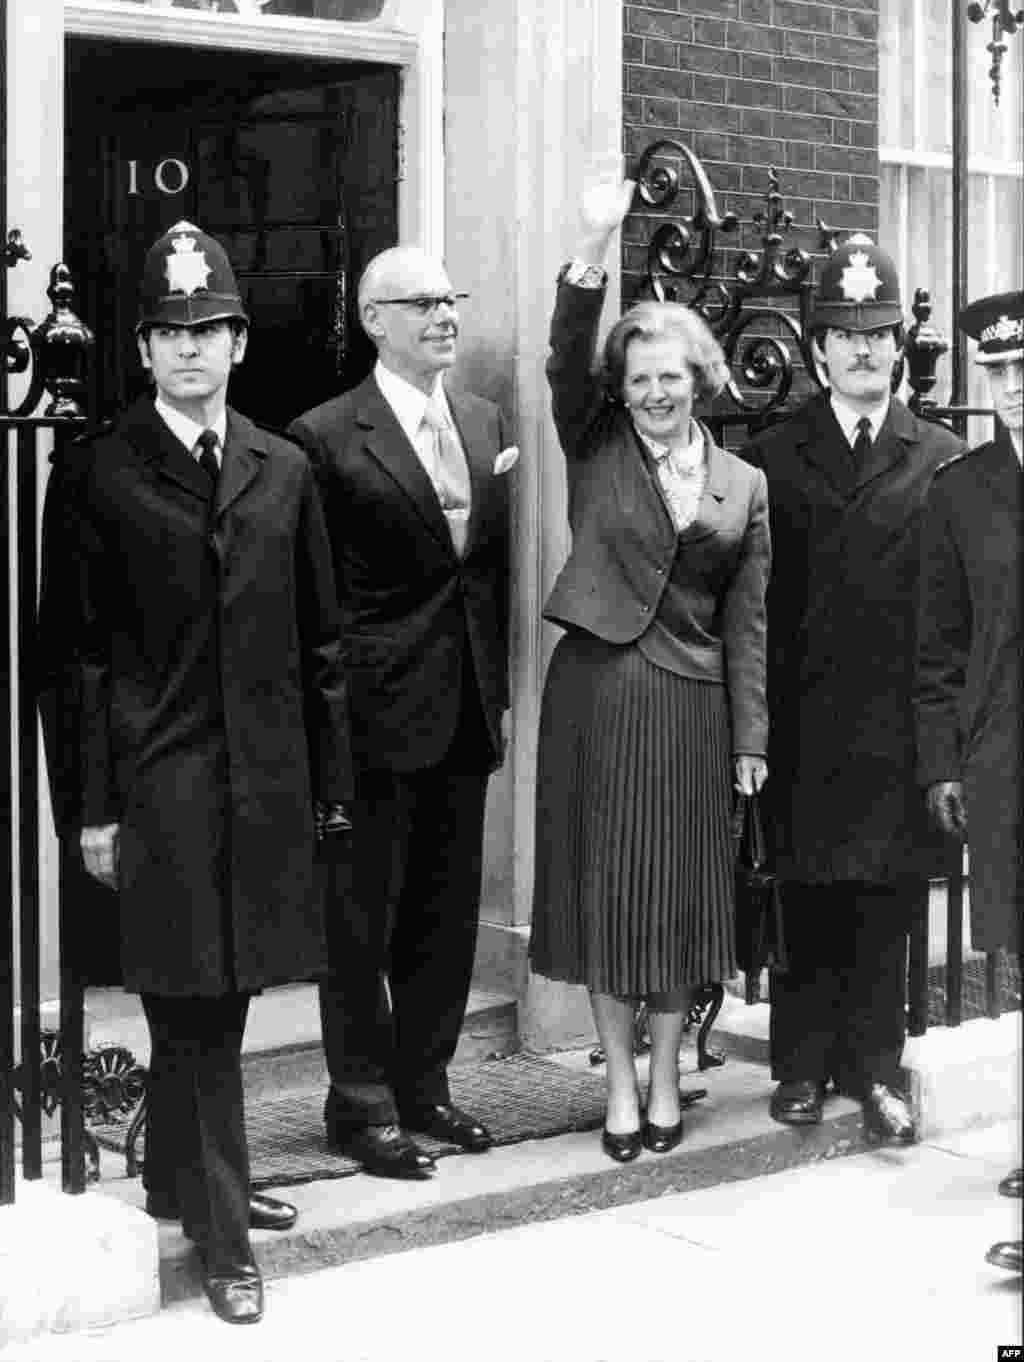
column 100, row 852
column 945, row 800
column 750, row 774
column 331, row 819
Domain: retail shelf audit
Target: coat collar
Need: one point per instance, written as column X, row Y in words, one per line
column 998, row 464
column 151, row 437
column 821, row 442
column 716, row 487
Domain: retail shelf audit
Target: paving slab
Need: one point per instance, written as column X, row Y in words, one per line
column 618, row 1286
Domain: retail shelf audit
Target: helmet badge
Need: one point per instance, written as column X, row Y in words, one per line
column 859, row 281
column 187, row 270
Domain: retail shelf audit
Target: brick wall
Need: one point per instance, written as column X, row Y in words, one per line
column 750, row 84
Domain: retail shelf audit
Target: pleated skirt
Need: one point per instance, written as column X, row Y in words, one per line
column 634, row 863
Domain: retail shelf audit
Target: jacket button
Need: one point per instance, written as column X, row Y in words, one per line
column 660, row 572
column 644, row 609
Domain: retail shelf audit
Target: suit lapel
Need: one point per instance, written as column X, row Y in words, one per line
column 244, row 450
column 385, row 441
column 709, row 509
column 162, row 450
column 471, row 422
column 823, row 444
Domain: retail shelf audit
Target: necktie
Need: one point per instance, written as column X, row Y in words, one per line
column 207, row 458
column 451, row 476
column 861, row 447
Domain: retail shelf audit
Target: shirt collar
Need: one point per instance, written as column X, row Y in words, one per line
column 689, row 456
column 407, row 401
column 187, row 430
column 848, row 417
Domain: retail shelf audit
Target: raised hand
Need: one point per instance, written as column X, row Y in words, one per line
column 605, row 203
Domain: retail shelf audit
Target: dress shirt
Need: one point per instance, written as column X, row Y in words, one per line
column 409, row 405
column 848, row 417
column 189, row 431
column 682, row 474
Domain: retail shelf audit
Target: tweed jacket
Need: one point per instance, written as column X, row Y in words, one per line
column 625, row 546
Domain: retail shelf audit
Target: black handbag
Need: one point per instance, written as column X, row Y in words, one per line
column 760, row 940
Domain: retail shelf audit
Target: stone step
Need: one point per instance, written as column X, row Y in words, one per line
column 729, row 1136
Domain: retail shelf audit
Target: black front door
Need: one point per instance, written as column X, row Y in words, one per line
column 292, row 164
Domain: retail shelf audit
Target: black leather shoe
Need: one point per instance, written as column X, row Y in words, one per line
column 622, row 1148
column 384, row 1150
column 660, row 1139
column 1007, row 1254
column 267, row 1213
column 798, row 1102
column 236, row 1296
column 448, row 1123
column 887, row 1116
column 1013, row 1183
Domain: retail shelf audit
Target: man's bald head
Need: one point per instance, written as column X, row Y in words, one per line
column 407, row 309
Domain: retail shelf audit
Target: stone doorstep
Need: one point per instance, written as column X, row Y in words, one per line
column 730, row 1136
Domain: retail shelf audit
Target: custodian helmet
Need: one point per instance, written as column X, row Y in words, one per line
column 859, row 289
column 187, row 279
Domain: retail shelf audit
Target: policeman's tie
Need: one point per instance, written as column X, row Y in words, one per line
column 861, row 447
column 451, row 474
column 207, row 446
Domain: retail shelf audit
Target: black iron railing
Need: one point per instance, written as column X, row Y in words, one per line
column 49, row 362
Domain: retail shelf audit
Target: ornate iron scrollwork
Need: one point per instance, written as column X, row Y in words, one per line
column 680, row 258
column 1004, row 20
column 113, row 1084
column 924, row 347
column 57, row 352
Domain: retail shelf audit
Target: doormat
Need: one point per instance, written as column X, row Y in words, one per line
column 519, row 1098
column 972, row 977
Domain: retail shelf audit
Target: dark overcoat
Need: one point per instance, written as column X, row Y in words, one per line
column 415, row 614
column 968, row 691
column 842, row 793
column 192, row 692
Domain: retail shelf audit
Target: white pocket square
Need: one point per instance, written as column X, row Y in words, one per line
column 506, row 460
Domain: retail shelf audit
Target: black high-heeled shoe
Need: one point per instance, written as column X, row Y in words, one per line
column 660, row 1139
column 622, row 1148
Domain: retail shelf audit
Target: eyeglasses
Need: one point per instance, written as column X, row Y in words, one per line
column 426, row 303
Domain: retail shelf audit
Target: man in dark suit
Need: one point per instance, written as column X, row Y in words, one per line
column 847, row 479
column 415, row 486
column 967, row 693
column 190, row 617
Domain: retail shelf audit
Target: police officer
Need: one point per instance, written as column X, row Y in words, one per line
column 847, row 478
column 190, row 610
column 967, row 693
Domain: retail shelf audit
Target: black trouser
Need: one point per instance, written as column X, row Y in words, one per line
column 196, row 1152
column 839, row 1011
column 402, row 920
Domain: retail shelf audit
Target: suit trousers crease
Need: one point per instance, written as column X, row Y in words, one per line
column 839, row 1010
column 196, row 1151
column 402, row 921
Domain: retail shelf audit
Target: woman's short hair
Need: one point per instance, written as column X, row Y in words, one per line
column 650, row 321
